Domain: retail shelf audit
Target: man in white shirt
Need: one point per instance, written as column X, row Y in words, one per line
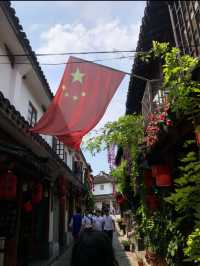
column 108, row 224
column 98, row 221
column 87, row 222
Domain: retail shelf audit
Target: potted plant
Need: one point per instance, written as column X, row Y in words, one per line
column 151, row 256
column 126, row 244
column 119, row 221
column 140, row 261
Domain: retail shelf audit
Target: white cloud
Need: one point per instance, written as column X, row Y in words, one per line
column 78, row 38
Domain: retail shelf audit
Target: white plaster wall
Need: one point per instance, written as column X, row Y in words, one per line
column 98, row 205
column 15, row 89
column 22, row 97
column 69, row 157
column 108, row 189
column 8, row 76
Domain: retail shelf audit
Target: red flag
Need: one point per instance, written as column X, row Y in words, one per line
column 84, row 93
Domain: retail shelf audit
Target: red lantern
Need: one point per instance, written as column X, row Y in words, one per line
column 154, row 169
column 120, row 199
column 62, row 200
column 148, row 179
column 8, row 186
column 37, row 193
column 28, row 206
column 163, row 175
column 198, row 137
column 152, row 202
column 62, row 185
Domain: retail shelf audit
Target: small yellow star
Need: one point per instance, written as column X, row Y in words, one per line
column 66, row 93
column 77, row 76
column 63, row 87
column 83, row 93
column 75, row 98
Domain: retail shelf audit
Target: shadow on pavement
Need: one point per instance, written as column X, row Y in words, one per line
column 124, row 258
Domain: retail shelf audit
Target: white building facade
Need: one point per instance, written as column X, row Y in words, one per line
column 104, row 188
column 24, row 97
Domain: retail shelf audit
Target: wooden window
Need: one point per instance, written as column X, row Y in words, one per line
column 32, row 114
column 101, row 187
column 60, row 149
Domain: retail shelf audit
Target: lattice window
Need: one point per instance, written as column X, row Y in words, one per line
column 59, row 148
column 32, row 114
column 101, row 187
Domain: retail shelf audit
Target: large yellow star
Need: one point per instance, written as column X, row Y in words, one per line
column 77, row 76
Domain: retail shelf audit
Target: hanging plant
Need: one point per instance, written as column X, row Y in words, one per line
column 111, row 156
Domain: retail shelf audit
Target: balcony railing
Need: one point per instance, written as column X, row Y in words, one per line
column 153, row 99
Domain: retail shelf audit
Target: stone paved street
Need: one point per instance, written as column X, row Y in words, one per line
column 124, row 258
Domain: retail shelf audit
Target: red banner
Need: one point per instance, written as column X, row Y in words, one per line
column 84, row 93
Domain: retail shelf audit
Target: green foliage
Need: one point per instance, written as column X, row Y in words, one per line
column 126, row 131
column 184, row 93
column 186, row 198
column 184, row 100
column 186, row 202
column 126, row 243
column 119, row 173
column 193, row 246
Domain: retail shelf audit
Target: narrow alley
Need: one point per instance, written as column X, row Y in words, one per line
column 124, row 258
column 100, row 131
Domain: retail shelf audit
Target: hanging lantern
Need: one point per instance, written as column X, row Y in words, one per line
column 148, row 179
column 28, row 206
column 163, row 175
column 197, row 137
column 37, row 193
column 62, row 185
column 8, row 186
column 152, row 202
column 62, row 200
column 154, row 170
column 120, row 198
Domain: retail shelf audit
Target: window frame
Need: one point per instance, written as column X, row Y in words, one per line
column 32, row 114
column 102, row 186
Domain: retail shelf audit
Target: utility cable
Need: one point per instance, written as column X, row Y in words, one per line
column 90, row 52
column 94, row 61
column 76, row 53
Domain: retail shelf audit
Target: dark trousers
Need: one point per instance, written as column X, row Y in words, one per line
column 109, row 233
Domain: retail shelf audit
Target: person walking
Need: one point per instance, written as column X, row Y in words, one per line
column 98, row 221
column 76, row 223
column 93, row 249
column 87, row 222
column 108, row 224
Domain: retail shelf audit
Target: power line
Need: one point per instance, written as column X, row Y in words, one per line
column 94, row 61
column 74, row 62
column 89, row 52
column 75, row 53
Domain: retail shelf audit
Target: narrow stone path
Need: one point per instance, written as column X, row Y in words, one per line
column 123, row 258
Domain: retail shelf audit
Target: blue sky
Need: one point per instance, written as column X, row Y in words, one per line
column 77, row 26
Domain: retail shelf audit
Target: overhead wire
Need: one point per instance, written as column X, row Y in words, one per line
column 91, row 61
column 89, row 52
column 76, row 53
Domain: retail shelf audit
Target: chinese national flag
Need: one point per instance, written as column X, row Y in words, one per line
column 81, row 100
